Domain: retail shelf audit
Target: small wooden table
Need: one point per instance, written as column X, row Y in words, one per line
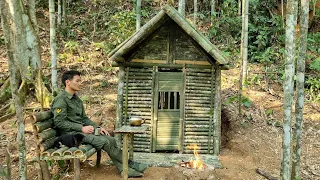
column 128, row 131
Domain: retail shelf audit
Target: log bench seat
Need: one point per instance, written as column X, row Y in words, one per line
column 45, row 135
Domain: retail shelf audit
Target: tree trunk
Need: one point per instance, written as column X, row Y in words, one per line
column 64, row 13
column 138, row 13
column 195, row 6
column 53, row 48
column 244, row 40
column 59, row 14
column 291, row 21
column 282, row 13
column 182, row 7
column 297, row 135
column 32, row 14
column 213, row 13
column 239, row 6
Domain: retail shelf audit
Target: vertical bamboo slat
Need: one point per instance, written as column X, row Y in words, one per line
column 217, row 111
column 155, row 118
column 120, row 103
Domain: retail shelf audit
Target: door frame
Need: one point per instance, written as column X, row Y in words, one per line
column 155, row 110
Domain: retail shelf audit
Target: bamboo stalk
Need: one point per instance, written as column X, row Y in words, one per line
column 88, row 154
column 141, row 70
column 76, row 163
column 43, row 125
column 189, row 129
column 82, row 150
column 47, row 144
column 44, row 135
column 142, row 149
column 217, row 112
column 199, row 98
column 190, row 119
column 41, row 116
column 198, row 85
column 70, row 151
column 191, row 100
column 48, row 152
column 60, row 151
column 202, row 109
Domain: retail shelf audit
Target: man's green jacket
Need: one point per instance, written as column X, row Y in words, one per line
column 69, row 113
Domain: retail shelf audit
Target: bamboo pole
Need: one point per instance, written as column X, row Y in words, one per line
column 48, row 153
column 82, row 150
column 44, row 135
column 69, row 152
column 44, row 171
column 217, row 112
column 76, row 163
column 47, row 144
column 120, row 102
column 60, row 151
column 40, row 126
column 41, row 116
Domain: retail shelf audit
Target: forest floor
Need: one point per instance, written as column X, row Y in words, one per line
column 250, row 142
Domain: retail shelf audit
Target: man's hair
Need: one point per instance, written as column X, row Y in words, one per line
column 68, row 75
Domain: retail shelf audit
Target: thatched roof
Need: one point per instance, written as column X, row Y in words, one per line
column 166, row 12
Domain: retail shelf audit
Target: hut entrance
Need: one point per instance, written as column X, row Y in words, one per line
column 168, row 110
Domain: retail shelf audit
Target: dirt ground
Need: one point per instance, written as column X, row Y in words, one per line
column 250, row 142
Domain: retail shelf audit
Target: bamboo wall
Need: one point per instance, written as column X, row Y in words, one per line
column 137, row 101
column 199, row 99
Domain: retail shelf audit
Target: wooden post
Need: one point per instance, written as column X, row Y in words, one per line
column 120, row 103
column 217, row 112
column 76, row 163
column 98, row 158
column 182, row 106
column 125, row 157
column 131, row 146
column 126, row 103
column 211, row 109
column 155, row 113
column 152, row 105
column 44, row 171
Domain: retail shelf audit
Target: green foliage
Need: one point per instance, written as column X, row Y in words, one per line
column 71, row 46
column 313, row 88
column 121, row 26
column 269, row 112
column 245, row 100
column 104, row 83
column 315, row 65
column 313, row 44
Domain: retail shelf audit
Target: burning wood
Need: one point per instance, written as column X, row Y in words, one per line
column 195, row 164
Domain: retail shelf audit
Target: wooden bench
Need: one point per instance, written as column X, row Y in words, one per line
column 45, row 135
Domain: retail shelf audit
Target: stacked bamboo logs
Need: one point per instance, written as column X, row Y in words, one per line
column 137, row 101
column 199, row 110
column 46, row 135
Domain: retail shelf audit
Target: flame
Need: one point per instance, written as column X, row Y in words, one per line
column 197, row 163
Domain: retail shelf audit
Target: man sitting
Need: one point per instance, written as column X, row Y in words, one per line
column 70, row 117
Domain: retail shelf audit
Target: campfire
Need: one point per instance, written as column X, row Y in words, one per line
column 196, row 163
column 195, row 169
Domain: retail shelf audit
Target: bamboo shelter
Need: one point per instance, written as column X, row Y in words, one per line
column 169, row 74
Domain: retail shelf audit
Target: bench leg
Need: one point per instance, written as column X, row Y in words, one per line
column 98, row 158
column 76, row 163
column 45, row 170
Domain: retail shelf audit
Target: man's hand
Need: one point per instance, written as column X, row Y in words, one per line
column 103, row 131
column 87, row 129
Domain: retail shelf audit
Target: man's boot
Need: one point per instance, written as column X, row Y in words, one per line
column 140, row 167
column 132, row 173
